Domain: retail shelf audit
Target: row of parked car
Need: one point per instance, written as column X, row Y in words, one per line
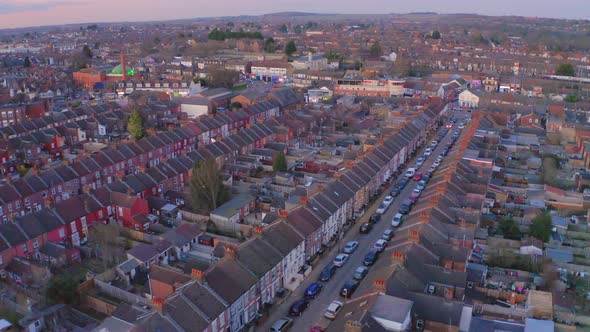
column 350, row 286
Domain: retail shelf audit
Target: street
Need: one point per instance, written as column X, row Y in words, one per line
column 313, row 315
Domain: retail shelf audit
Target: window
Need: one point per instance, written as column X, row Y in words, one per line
column 83, row 220
column 62, row 233
column 27, row 201
column 120, row 211
column 17, row 203
column 59, row 188
column 25, row 248
column 44, row 194
column 73, row 227
column 99, row 213
column 35, row 244
column 53, row 190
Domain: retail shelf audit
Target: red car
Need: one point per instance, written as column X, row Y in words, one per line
column 317, row 329
column 417, row 176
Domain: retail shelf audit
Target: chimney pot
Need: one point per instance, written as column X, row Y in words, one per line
column 198, row 275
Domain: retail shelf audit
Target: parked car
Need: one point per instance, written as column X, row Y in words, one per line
column 435, row 142
column 406, row 206
column 420, row 161
column 365, row 228
column 436, row 164
column 414, row 198
column 402, row 183
column 313, row 290
column 380, row 245
column 426, row 178
column 428, row 152
column 387, row 234
column 360, row 272
column 421, row 185
column 417, row 176
column 298, row 307
column 384, row 205
column 410, row 172
column 397, row 219
column 395, row 191
column 445, row 151
column 371, row 257
column 327, row 272
column 416, row 192
column 333, row 309
column 449, row 125
column 349, row 287
column 282, row 325
column 350, row 247
column 375, row 217
column 340, row 260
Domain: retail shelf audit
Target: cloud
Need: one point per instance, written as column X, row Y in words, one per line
column 12, row 7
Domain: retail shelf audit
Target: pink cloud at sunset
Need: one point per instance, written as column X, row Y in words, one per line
column 23, row 13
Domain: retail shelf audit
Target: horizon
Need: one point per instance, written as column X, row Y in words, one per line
column 16, row 14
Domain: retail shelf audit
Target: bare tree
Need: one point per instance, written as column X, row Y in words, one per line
column 207, row 188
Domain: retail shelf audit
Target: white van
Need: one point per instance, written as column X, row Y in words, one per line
column 410, row 172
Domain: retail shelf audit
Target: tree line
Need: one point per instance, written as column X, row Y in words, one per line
column 217, row 34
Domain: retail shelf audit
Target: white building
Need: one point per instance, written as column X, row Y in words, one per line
column 310, row 62
column 470, row 98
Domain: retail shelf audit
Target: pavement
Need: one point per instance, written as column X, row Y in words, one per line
column 313, row 315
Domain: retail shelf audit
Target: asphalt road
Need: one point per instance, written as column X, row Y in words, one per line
column 313, row 316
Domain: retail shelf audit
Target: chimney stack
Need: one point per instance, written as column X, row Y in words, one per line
column 230, row 252
column 353, row 326
column 414, row 236
column 258, row 231
column 398, row 258
column 379, row 285
column 448, row 295
column 158, row 305
column 198, row 275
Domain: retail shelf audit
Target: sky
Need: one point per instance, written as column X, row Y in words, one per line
column 25, row 13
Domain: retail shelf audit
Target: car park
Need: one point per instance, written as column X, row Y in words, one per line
column 387, row 234
column 327, row 272
column 417, row 176
column 397, row 220
column 365, row 228
column 380, row 245
column 350, row 247
column 282, row 325
column 375, row 217
column 340, row 260
column 298, row 307
column 371, row 257
column 360, row 272
column 333, row 309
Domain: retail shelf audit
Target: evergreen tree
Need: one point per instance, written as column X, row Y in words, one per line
column 27, row 62
column 279, row 164
column 541, row 227
column 135, row 125
column 290, row 48
column 87, row 51
column 269, row 45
